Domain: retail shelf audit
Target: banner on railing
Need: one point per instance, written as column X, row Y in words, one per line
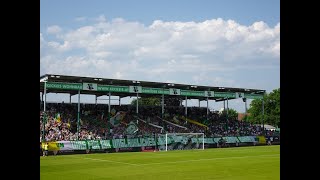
column 79, row 145
column 144, row 142
column 245, row 139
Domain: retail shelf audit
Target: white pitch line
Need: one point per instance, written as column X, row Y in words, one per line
column 209, row 159
column 174, row 162
column 113, row 161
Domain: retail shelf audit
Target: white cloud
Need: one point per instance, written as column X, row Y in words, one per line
column 101, row 18
column 53, row 29
column 42, row 41
column 204, row 78
column 117, row 75
column 204, row 53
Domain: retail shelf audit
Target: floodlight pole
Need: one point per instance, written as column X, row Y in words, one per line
column 44, row 117
column 263, row 115
column 109, row 112
column 78, row 117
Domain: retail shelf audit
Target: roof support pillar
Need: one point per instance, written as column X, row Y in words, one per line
column 44, row 118
column 207, row 109
column 137, row 108
column 78, row 117
column 186, row 108
column 263, row 116
column 162, row 104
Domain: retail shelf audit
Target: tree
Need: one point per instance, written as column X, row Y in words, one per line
column 147, row 101
column 271, row 109
column 232, row 114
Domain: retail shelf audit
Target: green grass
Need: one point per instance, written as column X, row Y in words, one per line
column 246, row 163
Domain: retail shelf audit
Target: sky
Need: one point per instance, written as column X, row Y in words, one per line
column 230, row 43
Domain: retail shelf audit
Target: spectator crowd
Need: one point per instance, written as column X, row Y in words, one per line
column 59, row 122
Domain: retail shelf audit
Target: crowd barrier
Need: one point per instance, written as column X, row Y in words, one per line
column 150, row 143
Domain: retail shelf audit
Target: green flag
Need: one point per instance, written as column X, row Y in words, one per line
column 132, row 128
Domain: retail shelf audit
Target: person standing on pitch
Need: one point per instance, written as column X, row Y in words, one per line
column 45, row 149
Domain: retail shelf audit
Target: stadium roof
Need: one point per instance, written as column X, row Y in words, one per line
column 122, row 82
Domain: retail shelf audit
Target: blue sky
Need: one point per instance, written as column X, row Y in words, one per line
column 229, row 43
column 246, row 12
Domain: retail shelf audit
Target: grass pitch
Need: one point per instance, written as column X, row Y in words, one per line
column 245, row 163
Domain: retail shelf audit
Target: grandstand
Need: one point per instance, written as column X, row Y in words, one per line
column 104, row 128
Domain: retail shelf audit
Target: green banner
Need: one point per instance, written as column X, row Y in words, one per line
column 209, row 141
column 192, row 93
column 64, row 86
column 106, row 88
column 225, row 94
column 94, row 144
column 231, row 139
column 103, row 88
column 247, row 138
column 162, row 140
column 79, row 145
column 134, row 142
column 105, row 144
column 146, row 90
column 253, row 96
column 141, row 142
column 196, row 140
